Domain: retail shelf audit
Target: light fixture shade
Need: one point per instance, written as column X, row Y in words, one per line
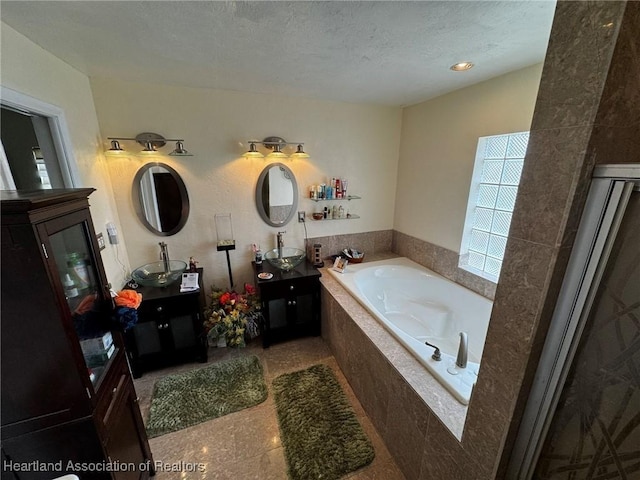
column 300, row 153
column 115, row 149
column 277, row 152
column 253, row 151
column 180, row 151
column 148, row 149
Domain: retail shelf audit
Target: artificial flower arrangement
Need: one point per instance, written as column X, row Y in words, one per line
column 232, row 316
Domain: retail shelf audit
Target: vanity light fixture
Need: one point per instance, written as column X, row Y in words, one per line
column 461, row 66
column 151, row 142
column 275, row 144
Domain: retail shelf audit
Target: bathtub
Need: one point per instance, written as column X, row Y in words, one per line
column 416, row 306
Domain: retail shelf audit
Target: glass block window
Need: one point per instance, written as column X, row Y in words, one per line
column 494, row 187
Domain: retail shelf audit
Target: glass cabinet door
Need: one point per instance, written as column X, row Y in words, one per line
column 84, row 296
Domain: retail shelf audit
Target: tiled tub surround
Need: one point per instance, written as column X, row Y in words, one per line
column 394, row 390
column 433, row 257
column 378, row 366
column 416, row 306
column 371, row 243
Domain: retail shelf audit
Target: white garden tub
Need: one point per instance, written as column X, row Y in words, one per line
column 417, row 305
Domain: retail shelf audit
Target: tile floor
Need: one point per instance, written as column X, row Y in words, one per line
column 246, row 445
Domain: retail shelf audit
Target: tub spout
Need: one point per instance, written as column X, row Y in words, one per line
column 463, row 349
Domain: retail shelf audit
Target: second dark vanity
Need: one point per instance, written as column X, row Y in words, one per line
column 290, row 302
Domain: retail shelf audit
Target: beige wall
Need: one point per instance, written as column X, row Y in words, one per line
column 357, row 142
column 438, row 148
column 30, row 70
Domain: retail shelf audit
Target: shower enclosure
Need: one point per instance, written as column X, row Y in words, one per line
column 582, row 419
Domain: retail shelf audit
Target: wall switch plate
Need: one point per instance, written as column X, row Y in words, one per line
column 100, row 239
column 301, row 217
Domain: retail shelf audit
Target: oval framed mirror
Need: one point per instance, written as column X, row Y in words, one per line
column 160, row 199
column 276, row 195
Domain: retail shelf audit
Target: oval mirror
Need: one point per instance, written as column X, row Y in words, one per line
column 160, row 199
column 277, row 194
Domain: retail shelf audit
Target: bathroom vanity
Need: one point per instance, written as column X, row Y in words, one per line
column 169, row 328
column 67, row 394
column 290, row 302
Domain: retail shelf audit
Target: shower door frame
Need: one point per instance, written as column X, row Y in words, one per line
column 609, row 194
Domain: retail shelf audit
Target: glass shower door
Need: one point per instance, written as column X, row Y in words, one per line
column 582, row 417
column 595, row 430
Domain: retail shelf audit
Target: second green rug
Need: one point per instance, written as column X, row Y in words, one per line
column 320, row 432
column 185, row 399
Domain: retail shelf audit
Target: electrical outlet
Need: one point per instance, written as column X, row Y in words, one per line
column 301, row 217
column 100, row 239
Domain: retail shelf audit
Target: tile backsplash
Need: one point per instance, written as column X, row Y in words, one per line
column 433, row 257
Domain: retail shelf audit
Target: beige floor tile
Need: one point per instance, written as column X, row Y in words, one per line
column 246, row 445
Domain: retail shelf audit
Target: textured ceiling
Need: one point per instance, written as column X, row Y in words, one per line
column 391, row 53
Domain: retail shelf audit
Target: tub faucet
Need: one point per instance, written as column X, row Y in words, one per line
column 164, row 256
column 437, row 356
column 463, row 349
column 280, row 243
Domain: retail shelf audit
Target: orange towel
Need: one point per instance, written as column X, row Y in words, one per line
column 128, row 298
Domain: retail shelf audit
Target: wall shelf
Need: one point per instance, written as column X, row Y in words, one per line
column 348, row 197
column 350, row 217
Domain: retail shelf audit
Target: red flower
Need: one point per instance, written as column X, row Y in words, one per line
column 249, row 289
column 224, row 298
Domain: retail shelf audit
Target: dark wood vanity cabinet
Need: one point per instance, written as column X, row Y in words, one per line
column 169, row 328
column 68, row 401
column 290, row 302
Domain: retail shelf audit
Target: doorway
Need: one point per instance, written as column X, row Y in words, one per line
column 35, row 147
column 29, row 152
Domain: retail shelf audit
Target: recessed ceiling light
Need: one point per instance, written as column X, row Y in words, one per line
column 461, row 67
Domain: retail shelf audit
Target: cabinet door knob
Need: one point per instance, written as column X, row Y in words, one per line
column 291, row 287
column 115, row 390
column 293, row 302
column 166, row 325
column 158, row 309
column 289, row 302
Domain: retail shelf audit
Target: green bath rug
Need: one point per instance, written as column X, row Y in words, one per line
column 321, row 435
column 193, row 397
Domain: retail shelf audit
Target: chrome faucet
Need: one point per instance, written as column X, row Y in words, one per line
column 164, row 256
column 280, row 243
column 463, row 350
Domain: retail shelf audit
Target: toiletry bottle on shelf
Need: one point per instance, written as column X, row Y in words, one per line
column 338, row 188
column 334, row 212
column 70, row 289
column 341, row 212
column 344, row 188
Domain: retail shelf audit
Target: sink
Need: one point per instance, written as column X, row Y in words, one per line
column 290, row 258
column 153, row 274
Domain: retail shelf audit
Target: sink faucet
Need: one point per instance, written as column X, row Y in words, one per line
column 164, row 256
column 463, row 349
column 280, row 243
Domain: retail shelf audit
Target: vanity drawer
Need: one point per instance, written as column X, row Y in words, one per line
column 288, row 288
